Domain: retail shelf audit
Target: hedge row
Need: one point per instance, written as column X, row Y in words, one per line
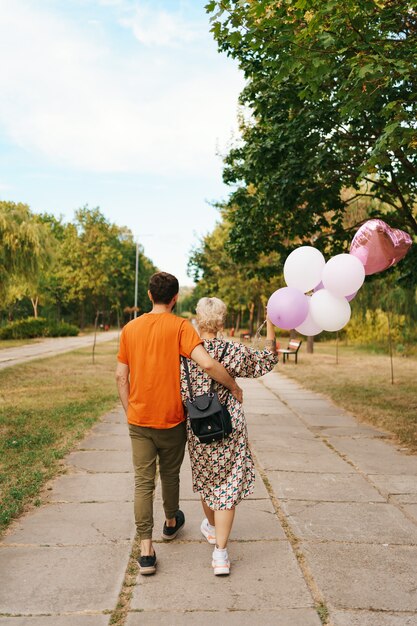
column 37, row 327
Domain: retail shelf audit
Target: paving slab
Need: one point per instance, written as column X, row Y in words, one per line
column 81, row 487
column 288, row 392
column 270, row 404
column 411, row 509
column 322, row 487
column 329, row 419
column 374, row 456
column 65, row 579
column 106, row 442
column 117, row 416
column 185, row 579
column 372, row 618
column 363, row 576
column 404, row 488
column 280, row 416
column 255, row 520
column 287, row 427
column 303, row 442
column 318, row 458
column 56, row 620
column 359, row 430
column 54, row 524
column 283, row 385
column 260, row 392
column 111, row 428
column 294, row 437
column 283, row 617
column 101, row 461
column 350, row 521
column 316, row 406
column 278, row 379
column 272, row 407
column 405, row 498
column 257, row 391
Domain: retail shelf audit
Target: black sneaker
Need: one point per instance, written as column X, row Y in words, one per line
column 169, row 533
column 147, row 565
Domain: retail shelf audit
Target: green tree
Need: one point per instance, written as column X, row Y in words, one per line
column 331, row 94
column 77, row 270
column 25, row 250
column 52, row 289
column 97, row 265
column 244, row 287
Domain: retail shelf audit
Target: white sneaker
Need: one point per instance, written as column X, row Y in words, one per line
column 208, row 532
column 220, row 562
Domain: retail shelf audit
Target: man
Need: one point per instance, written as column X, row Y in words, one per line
column 148, row 380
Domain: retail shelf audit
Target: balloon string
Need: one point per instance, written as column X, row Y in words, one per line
column 258, row 333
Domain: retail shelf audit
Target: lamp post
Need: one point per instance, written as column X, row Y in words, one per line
column 136, row 280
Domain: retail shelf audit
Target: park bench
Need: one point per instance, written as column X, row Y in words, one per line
column 245, row 336
column 293, row 348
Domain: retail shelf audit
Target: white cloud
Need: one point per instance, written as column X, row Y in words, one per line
column 159, row 28
column 79, row 100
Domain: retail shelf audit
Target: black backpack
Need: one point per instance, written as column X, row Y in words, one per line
column 209, row 419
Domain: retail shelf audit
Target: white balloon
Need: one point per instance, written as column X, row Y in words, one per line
column 329, row 311
column 303, row 268
column 309, row 328
column 343, row 274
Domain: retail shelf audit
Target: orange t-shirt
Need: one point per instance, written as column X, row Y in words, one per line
column 151, row 346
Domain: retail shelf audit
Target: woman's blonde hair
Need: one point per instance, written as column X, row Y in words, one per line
column 211, row 314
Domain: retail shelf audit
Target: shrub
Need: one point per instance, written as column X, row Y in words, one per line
column 24, row 329
column 37, row 327
column 372, row 328
column 62, row 329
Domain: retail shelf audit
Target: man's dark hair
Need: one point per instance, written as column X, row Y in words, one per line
column 163, row 287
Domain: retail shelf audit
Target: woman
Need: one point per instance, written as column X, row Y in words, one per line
column 223, row 471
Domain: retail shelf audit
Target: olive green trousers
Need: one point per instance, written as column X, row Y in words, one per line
column 149, row 446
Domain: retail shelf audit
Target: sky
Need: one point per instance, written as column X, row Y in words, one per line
column 122, row 104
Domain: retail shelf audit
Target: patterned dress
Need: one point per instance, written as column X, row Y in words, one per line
column 223, row 471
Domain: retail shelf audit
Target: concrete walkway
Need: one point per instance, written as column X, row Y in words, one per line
column 50, row 347
column 331, row 530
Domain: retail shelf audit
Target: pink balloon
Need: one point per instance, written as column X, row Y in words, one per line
column 378, row 246
column 287, row 308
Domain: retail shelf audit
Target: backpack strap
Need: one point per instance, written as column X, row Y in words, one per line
column 187, row 376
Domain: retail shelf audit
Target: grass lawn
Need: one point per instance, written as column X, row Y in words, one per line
column 45, row 407
column 361, row 383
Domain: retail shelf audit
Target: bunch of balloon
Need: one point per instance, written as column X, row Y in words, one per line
column 317, row 295
column 333, row 285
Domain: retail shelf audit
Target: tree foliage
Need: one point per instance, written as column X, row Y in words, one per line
column 243, row 287
column 331, row 106
column 82, row 268
column 25, row 248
